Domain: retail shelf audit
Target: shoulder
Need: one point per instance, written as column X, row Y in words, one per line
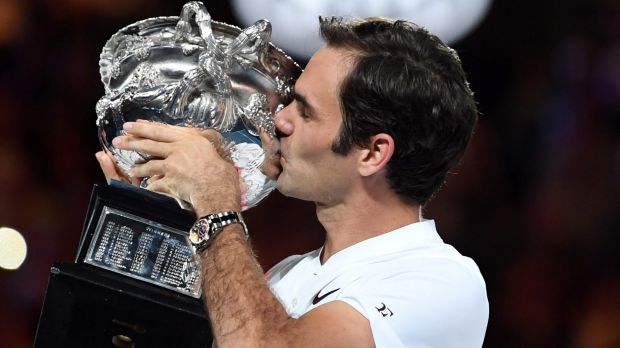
column 429, row 272
column 432, row 296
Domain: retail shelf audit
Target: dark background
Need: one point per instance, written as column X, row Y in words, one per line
column 535, row 201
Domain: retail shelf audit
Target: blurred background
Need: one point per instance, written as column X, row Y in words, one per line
column 535, row 202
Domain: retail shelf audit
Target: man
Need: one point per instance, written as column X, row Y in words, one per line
column 380, row 115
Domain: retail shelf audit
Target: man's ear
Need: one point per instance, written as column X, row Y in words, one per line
column 376, row 155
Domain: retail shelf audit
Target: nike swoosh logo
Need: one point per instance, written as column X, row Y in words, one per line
column 318, row 298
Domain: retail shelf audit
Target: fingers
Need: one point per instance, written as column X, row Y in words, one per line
column 153, row 138
column 148, row 146
column 152, row 168
column 135, row 181
column 154, row 131
column 271, row 145
column 265, row 138
column 217, row 140
column 211, row 134
column 168, row 133
column 109, row 168
column 271, row 170
column 271, row 164
column 159, row 184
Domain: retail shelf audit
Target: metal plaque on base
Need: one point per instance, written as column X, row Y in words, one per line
column 142, row 235
column 145, row 250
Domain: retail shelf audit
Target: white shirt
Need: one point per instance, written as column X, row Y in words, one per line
column 415, row 290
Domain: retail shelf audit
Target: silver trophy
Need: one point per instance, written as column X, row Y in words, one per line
column 192, row 71
column 185, row 71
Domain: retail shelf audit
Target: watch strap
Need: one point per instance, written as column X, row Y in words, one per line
column 210, row 225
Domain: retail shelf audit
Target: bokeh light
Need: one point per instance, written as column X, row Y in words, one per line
column 451, row 20
column 13, row 248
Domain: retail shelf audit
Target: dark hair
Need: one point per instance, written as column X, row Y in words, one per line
column 406, row 83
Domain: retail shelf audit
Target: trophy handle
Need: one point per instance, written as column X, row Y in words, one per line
column 203, row 21
column 252, row 39
column 214, row 109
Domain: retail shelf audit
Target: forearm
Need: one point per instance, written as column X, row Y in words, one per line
column 242, row 309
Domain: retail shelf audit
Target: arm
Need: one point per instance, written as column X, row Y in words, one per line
column 243, row 311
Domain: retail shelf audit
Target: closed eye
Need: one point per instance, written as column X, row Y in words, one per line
column 304, row 108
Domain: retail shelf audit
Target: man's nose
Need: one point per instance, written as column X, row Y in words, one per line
column 284, row 127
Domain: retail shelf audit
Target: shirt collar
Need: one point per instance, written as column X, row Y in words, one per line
column 408, row 238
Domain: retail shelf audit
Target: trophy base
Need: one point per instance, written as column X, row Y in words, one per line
column 134, row 282
column 85, row 307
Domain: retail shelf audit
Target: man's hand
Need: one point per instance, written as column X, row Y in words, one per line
column 185, row 163
column 112, row 171
column 271, row 164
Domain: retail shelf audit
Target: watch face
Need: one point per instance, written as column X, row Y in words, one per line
column 193, row 236
column 198, row 233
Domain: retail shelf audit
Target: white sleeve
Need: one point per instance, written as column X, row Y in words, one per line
column 442, row 305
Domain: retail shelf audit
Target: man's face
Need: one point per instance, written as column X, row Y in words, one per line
column 310, row 169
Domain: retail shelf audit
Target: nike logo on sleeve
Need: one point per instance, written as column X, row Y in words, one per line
column 318, row 298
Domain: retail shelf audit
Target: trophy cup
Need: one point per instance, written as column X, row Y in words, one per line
column 135, row 275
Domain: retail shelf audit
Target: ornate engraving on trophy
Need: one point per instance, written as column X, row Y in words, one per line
column 144, row 250
column 193, row 71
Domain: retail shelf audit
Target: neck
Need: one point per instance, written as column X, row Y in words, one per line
column 349, row 223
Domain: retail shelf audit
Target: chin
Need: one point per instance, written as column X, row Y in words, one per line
column 286, row 188
column 283, row 187
column 280, row 184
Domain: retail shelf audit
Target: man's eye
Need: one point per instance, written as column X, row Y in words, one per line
column 301, row 110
